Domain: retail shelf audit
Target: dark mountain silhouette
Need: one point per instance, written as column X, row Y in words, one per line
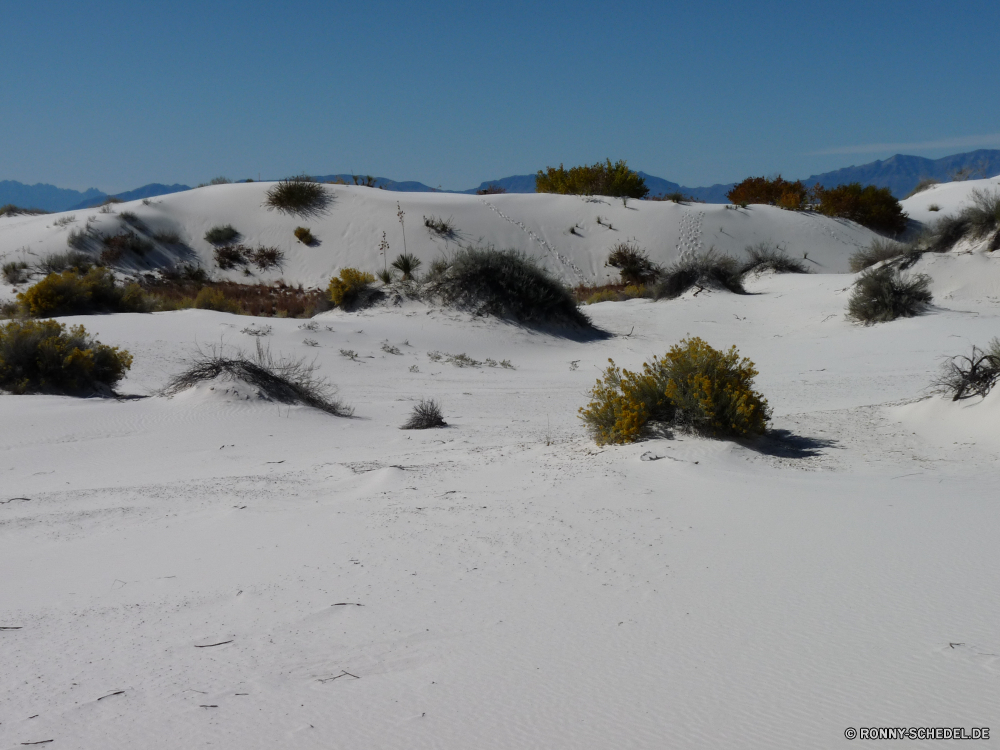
column 43, row 196
column 151, row 190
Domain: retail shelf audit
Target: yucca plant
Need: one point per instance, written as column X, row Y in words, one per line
column 407, row 264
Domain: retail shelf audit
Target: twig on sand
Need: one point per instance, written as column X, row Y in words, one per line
column 42, row 742
column 347, row 604
column 10, row 627
column 220, row 643
column 343, row 673
column 24, row 499
column 117, row 692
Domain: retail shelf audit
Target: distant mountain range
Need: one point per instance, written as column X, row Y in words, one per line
column 899, row 173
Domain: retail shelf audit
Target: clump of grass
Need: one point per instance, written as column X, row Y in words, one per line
column 167, row 237
column 43, row 356
column 407, row 264
column 59, row 262
column 441, row 227
column 225, row 234
column 492, row 190
column 122, row 245
column 80, row 239
column 11, row 210
column 633, row 264
column 707, row 270
column 764, row 257
column 983, row 215
column 298, row 195
column 921, row 186
column 305, row 236
column 933, row 207
column 130, row 218
column 228, row 257
column 267, row 257
column 883, row 294
column 965, row 376
column 459, row 360
column 15, row 272
column 426, row 415
column 287, row 381
column 693, row 386
column 506, row 284
column 74, row 293
column 879, row 250
column 180, row 289
column 64, row 220
column 390, row 349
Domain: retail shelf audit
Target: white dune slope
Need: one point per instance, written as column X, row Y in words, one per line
column 217, row 570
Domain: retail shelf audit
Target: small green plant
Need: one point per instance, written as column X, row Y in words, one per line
column 266, row 257
column 74, row 293
column 122, row 245
column 386, row 275
column 426, row 414
column 225, row 234
column 883, row 294
column 43, row 356
column 693, row 386
column 390, row 349
column 707, row 270
column 346, row 288
column 305, row 236
column 298, row 195
column 633, row 263
column 167, row 237
column 350, row 354
column 64, row 221
column 933, row 207
column 407, row 264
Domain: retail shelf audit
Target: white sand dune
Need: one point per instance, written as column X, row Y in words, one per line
column 217, row 570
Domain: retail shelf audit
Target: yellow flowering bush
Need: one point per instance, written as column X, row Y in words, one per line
column 344, row 289
column 693, row 385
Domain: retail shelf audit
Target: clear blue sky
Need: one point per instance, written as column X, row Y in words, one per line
column 117, row 94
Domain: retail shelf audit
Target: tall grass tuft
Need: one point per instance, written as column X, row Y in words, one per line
column 705, row 270
column 298, row 195
column 884, row 294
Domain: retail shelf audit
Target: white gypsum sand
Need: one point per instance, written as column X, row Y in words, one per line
column 218, row 569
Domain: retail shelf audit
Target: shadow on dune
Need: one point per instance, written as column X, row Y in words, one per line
column 786, row 444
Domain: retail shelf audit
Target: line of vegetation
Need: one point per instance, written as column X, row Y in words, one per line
column 613, row 180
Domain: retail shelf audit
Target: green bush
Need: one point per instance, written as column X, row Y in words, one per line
column 118, row 246
column 879, row 250
column 347, row 288
column 506, row 284
column 870, row 206
column 705, row 270
column 407, row 264
column 11, row 210
column 983, row 215
column 73, row 293
column 764, row 257
column 43, row 356
column 633, row 264
column 693, row 386
column 224, row 234
column 214, row 299
column 884, row 294
column 615, row 180
column 298, row 195
column 59, row 262
column 305, row 236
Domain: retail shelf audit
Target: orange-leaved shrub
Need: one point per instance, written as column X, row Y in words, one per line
column 693, row 386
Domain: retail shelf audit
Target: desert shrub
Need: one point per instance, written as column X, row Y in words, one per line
column 214, row 299
column 305, row 236
column 130, row 218
column 983, row 215
column 705, row 270
column 633, row 263
column 11, row 210
column 44, row 356
column 220, row 181
column 267, row 257
column 693, row 386
column 230, row 256
column 771, row 192
column 167, row 237
column 426, row 414
column 298, row 195
column 59, row 262
column 615, row 180
column 287, row 381
column 921, row 186
column 942, row 235
column 965, row 376
column 74, row 293
column 674, row 197
column 506, row 283
column 111, row 200
column 224, row 234
column 879, row 250
column 492, row 190
column 179, row 289
column 873, row 207
column 883, row 294
column 386, row 275
column 123, row 244
column 15, row 272
column 934, row 207
column 441, row 227
column 764, row 257
column 80, row 239
column 407, row 264
column 348, row 287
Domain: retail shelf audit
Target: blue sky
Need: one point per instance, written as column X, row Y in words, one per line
column 117, row 94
